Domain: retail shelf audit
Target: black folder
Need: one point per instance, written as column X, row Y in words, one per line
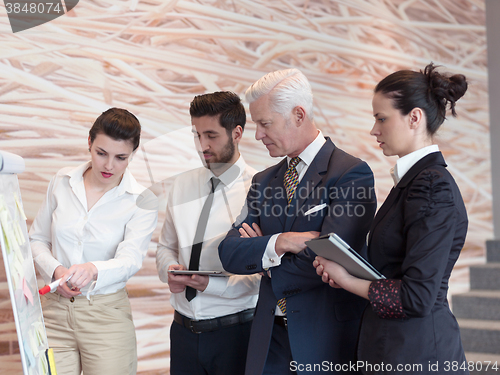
column 334, row 248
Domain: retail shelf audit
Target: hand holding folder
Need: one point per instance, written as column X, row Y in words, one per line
column 333, row 248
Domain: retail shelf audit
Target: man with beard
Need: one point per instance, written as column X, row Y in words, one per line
column 213, row 314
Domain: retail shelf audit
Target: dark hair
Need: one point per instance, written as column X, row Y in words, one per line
column 224, row 103
column 118, row 124
column 429, row 90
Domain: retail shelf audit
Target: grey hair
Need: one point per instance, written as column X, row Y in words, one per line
column 288, row 89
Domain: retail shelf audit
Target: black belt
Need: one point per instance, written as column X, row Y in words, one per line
column 209, row 325
column 281, row 321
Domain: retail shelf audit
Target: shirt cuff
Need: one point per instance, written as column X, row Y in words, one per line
column 47, row 264
column 216, row 286
column 106, row 274
column 385, row 299
column 270, row 258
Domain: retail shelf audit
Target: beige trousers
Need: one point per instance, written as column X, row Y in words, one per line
column 96, row 336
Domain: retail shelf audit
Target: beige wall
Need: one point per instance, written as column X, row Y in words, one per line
column 153, row 56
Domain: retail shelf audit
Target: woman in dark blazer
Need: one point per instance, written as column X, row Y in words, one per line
column 416, row 236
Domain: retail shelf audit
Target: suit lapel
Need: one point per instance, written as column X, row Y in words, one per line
column 384, row 209
column 278, row 192
column 427, row 161
column 432, row 159
column 312, row 179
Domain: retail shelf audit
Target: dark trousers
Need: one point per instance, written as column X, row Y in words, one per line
column 279, row 355
column 220, row 352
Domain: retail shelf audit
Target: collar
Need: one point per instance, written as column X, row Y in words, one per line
column 229, row 177
column 404, row 164
column 307, row 156
column 127, row 184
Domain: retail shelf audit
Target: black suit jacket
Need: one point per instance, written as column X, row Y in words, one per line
column 323, row 322
column 416, row 237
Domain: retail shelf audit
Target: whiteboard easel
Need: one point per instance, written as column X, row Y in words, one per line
column 20, row 272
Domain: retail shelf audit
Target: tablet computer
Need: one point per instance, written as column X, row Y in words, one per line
column 192, row 272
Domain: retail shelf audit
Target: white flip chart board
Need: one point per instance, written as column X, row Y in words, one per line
column 21, row 277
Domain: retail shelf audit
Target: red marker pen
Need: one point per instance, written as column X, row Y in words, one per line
column 52, row 286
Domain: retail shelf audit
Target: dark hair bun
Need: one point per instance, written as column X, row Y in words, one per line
column 444, row 88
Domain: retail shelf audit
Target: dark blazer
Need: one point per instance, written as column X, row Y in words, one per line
column 416, row 237
column 323, row 322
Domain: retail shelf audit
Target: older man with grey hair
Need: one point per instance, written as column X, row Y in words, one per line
column 300, row 324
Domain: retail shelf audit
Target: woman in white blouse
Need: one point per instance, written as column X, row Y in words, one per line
column 94, row 228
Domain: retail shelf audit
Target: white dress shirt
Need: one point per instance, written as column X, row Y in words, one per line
column 404, row 164
column 114, row 234
column 185, row 200
column 270, row 258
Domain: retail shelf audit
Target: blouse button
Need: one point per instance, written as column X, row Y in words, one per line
column 72, row 299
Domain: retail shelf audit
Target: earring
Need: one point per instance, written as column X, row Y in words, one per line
column 89, row 149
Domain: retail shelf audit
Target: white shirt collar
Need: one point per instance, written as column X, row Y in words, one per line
column 229, row 177
column 127, row 184
column 307, row 156
column 404, row 164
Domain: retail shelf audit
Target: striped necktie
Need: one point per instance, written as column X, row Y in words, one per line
column 291, row 178
column 291, row 181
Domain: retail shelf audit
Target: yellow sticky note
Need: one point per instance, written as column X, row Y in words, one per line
column 38, row 327
column 32, row 342
column 20, row 207
column 4, row 221
column 14, row 275
column 16, row 270
column 10, row 239
column 16, row 265
column 19, row 256
column 42, row 365
column 18, row 233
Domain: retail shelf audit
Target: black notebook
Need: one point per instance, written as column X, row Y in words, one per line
column 334, row 248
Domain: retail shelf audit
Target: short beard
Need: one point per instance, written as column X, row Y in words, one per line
column 225, row 157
